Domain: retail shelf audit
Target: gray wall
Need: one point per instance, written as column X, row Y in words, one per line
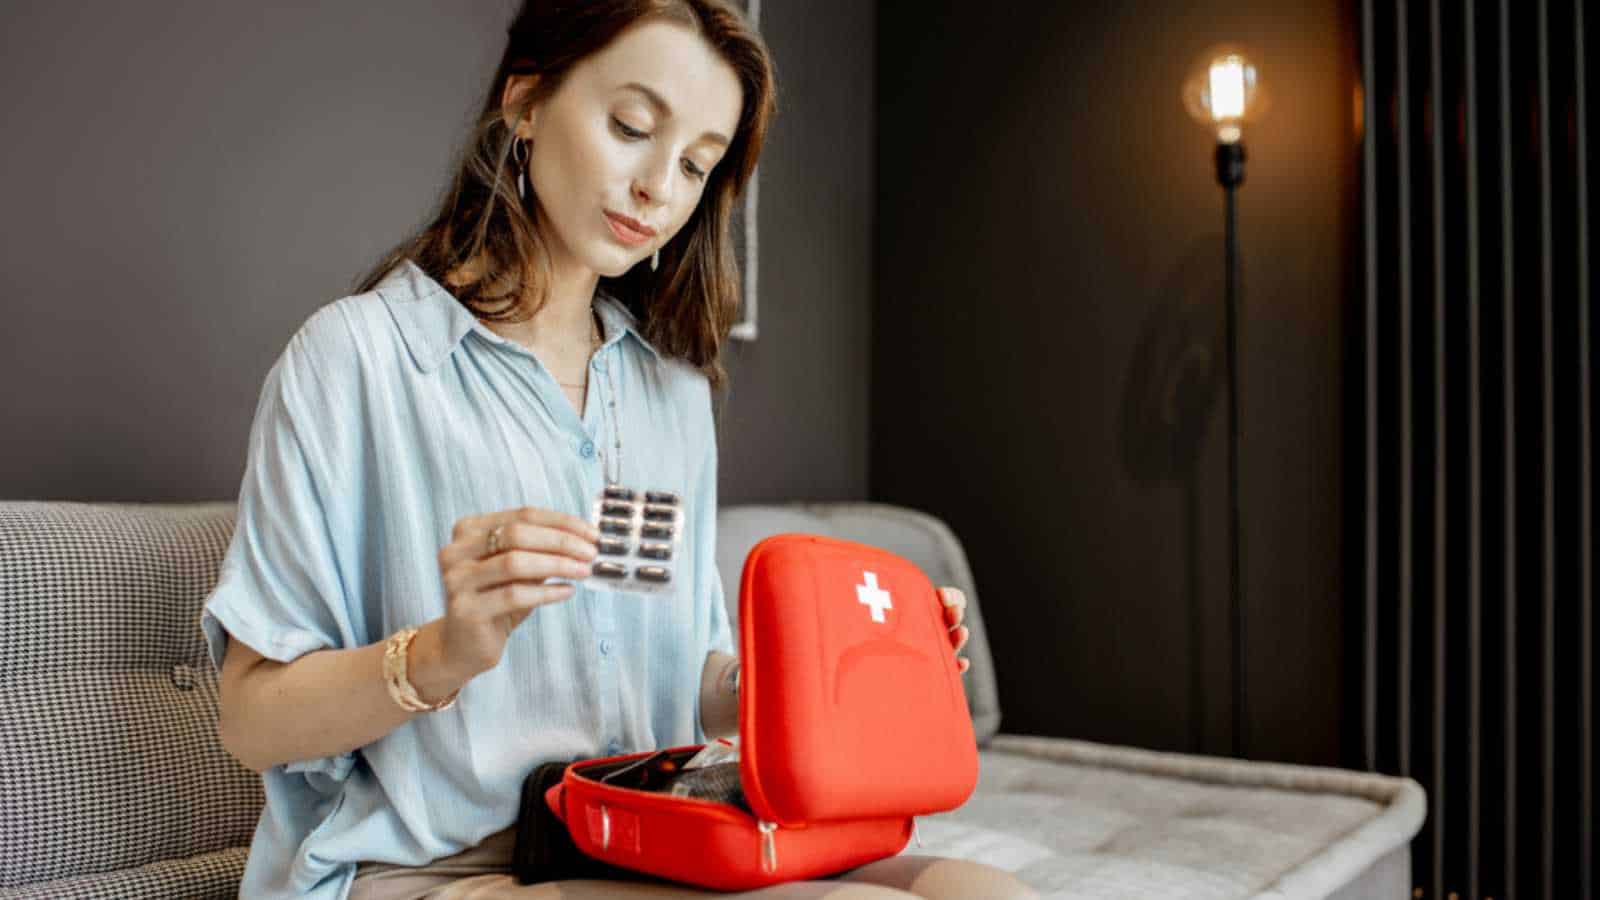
column 795, row 426
column 1047, row 358
column 186, row 182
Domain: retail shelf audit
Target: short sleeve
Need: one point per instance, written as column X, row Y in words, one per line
column 721, row 628
column 711, row 606
column 285, row 583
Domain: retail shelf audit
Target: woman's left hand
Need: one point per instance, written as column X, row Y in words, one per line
column 955, row 608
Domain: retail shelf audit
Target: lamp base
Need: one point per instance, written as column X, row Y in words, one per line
column 1230, row 164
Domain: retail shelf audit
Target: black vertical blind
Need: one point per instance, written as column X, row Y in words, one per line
column 1476, row 368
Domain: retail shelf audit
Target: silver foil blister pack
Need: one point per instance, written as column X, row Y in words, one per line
column 641, row 536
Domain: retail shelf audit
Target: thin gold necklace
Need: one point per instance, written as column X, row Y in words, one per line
column 594, row 344
column 606, row 459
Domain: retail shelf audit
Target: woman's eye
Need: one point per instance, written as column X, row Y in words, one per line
column 633, row 134
column 630, row 133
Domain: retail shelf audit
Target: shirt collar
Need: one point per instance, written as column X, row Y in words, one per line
column 433, row 322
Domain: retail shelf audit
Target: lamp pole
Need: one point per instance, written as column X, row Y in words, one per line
column 1230, row 174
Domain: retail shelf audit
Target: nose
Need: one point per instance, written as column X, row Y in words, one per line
column 653, row 186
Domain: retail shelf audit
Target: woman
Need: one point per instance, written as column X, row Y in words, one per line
column 393, row 659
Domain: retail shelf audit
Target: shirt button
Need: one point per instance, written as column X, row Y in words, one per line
column 605, row 646
column 614, row 747
column 587, row 450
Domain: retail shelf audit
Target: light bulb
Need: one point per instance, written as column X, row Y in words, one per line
column 1223, row 91
column 1228, row 81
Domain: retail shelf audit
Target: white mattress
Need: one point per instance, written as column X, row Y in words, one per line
column 1082, row 820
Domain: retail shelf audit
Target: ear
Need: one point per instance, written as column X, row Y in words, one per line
column 516, row 88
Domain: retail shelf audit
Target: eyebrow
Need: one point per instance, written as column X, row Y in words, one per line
column 662, row 106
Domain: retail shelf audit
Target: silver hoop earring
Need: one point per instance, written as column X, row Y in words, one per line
column 655, row 259
column 519, row 154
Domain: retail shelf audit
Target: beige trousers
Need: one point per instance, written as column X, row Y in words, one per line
column 484, row 873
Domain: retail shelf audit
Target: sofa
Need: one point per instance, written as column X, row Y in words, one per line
column 113, row 782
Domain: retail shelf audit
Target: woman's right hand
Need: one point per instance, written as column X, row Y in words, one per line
column 488, row 595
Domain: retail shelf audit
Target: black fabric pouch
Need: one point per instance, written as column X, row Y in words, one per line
column 543, row 850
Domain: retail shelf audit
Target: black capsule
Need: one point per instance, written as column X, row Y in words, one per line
column 656, row 530
column 660, row 513
column 655, row 551
column 612, row 546
column 616, row 526
column 620, row 493
column 661, row 497
column 616, row 508
column 610, row 570
column 658, row 574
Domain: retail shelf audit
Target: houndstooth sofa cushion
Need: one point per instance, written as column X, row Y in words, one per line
column 109, row 757
column 214, row 874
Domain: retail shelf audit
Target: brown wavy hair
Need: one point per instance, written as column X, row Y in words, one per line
column 482, row 235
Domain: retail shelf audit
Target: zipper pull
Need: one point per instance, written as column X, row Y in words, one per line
column 769, row 847
column 915, row 834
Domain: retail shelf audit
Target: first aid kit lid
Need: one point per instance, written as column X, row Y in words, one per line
column 851, row 702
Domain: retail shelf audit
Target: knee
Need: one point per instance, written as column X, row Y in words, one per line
column 939, row 878
column 860, row 891
column 826, row 890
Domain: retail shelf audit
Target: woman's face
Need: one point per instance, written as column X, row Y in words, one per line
column 633, row 131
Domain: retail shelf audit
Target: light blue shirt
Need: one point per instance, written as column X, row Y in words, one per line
column 389, row 416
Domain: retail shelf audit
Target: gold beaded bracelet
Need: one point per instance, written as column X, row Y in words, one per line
column 394, row 675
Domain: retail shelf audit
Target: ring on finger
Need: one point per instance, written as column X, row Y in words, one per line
column 494, row 539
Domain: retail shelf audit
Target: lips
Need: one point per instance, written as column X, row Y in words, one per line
column 629, row 230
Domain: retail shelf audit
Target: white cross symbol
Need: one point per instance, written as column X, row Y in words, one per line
column 873, row 596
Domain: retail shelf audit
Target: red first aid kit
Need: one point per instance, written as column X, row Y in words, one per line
column 852, row 721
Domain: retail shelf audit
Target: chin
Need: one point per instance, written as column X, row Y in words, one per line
column 614, row 269
column 617, row 265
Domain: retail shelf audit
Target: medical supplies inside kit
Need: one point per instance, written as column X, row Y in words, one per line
column 710, row 774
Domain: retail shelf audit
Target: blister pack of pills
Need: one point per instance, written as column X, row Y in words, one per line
column 641, row 533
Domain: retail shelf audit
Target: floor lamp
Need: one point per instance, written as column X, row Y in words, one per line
column 1223, row 92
